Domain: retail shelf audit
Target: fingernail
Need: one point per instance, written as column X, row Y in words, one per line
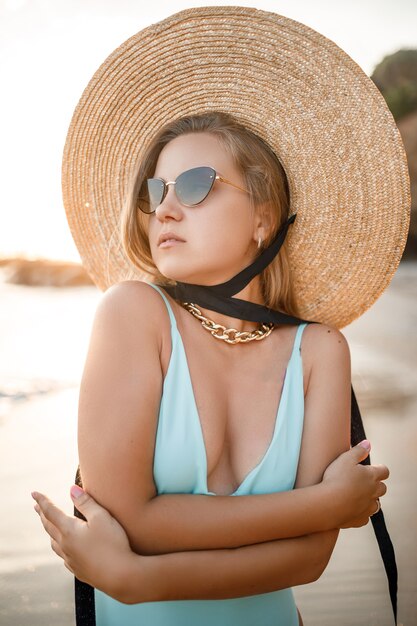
column 34, row 494
column 76, row 491
column 365, row 444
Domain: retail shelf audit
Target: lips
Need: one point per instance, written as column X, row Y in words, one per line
column 169, row 235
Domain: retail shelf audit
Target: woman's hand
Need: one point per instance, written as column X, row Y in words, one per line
column 356, row 488
column 96, row 551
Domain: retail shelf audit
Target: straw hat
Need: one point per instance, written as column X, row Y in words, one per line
column 323, row 117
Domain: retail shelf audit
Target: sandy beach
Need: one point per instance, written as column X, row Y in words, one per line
column 43, row 341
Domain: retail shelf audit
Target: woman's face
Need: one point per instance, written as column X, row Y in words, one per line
column 220, row 234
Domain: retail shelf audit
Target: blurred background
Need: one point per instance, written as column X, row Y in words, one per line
column 48, row 52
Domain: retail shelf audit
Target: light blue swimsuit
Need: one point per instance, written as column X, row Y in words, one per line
column 180, row 466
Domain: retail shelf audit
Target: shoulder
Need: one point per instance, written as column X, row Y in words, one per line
column 325, row 348
column 132, row 308
column 324, row 339
column 131, row 295
column 132, row 298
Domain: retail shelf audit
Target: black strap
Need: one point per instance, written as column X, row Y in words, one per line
column 85, row 608
column 219, row 298
column 357, row 434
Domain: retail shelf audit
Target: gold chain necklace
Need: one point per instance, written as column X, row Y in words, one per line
column 230, row 335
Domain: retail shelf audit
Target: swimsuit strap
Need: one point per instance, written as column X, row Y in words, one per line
column 298, row 335
column 170, row 311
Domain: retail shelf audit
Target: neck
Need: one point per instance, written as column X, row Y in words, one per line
column 250, row 293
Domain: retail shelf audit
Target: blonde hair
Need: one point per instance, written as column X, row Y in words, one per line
column 265, row 179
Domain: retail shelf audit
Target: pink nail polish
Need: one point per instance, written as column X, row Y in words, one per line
column 76, row 491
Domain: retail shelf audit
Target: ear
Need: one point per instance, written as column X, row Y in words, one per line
column 262, row 222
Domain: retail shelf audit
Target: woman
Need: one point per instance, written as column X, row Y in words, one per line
column 175, row 429
column 236, row 396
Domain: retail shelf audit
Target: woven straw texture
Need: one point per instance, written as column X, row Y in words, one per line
column 323, row 117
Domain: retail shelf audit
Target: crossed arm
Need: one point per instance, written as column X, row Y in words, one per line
column 119, row 402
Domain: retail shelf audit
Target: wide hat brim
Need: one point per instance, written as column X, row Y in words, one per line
column 323, row 117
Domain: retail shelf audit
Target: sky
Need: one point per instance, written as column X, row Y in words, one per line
column 49, row 50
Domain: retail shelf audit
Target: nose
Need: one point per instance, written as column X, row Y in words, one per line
column 170, row 206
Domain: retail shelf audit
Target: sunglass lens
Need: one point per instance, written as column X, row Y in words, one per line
column 193, row 186
column 155, row 192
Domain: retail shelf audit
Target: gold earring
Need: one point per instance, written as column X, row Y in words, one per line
column 259, row 242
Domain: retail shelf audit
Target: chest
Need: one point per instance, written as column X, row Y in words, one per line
column 237, row 395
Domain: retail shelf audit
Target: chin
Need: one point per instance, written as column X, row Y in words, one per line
column 183, row 275
column 182, row 271
column 179, row 274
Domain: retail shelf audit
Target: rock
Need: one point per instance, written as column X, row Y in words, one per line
column 408, row 130
column 44, row 272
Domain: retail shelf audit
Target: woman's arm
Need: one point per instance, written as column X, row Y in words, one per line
column 118, row 408
column 222, row 574
column 97, row 551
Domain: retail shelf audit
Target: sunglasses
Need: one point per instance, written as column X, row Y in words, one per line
column 191, row 188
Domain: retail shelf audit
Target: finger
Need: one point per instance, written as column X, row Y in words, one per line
column 386, row 472
column 382, row 490
column 85, row 504
column 377, row 472
column 376, row 508
column 362, row 521
column 381, row 471
column 52, row 513
column 57, row 549
column 360, row 451
column 52, row 530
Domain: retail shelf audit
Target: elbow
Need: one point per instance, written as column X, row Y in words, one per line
column 314, row 571
column 143, row 542
column 125, row 597
column 317, row 556
column 138, row 581
column 146, row 535
column 323, row 554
